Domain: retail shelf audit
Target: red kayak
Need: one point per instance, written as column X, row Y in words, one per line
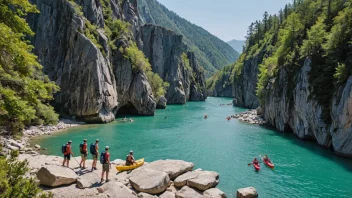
column 256, row 167
column 268, row 163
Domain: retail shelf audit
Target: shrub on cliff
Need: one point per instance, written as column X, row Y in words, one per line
column 159, row 87
column 14, row 181
column 24, row 90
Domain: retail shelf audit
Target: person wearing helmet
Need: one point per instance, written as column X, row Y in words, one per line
column 130, row 159
column 95, row 155
column 67, row 154
column 106, row 165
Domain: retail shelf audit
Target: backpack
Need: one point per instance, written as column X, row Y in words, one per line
column 92, row 149
column 102, row 158
column 81, row 147
column 63, row 149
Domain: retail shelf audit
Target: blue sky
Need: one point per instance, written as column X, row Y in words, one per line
column 227, row 19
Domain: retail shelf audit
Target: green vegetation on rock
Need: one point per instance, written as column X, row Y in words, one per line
column 317, row 29
column 14, row 181
column 24, row 91
column 211, row 52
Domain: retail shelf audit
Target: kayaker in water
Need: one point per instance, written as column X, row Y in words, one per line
column 206, row 116
column 255, row 161
column 266, row 158
column 130, row 159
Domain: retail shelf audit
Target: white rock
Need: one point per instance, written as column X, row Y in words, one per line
column 172, row 167
column 88, row 180
column 149, row 181
column 168, row 194
column 116, row 190
column 181, row 180
column 187, row 192
column 146, row 195
column 51, row 175
column 204, row 181
column 214, row 193
column 37, row 146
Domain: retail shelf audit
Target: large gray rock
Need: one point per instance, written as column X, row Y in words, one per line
column 146, row 195
column 187, row 192
column 181, row 180
column 249, row 192
column 87, row 180
column 167, row 194
column 93, row 11
column 173, row 168
column 51, row 175
column 214, row 193
column 116, row 190
column 204, row 181
column 161, row 103
column 149, row 181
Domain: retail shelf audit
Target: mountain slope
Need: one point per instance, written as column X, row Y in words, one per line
column 211, row 52
column 237, row 45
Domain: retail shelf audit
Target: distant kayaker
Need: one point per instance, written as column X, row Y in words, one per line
column 84, row 153
column 266, row 158
column 67, row 151
column 255, row 161
column 95, row 153
column 206, row 116
column 105, row 161
column 130, row 159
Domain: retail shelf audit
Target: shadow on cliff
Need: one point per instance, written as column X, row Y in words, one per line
column 314, row 147
column 127, row 109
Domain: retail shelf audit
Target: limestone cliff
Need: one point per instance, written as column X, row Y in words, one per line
column 93, row 86
column 164, row 50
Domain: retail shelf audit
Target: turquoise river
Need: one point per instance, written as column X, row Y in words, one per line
column 302, row 169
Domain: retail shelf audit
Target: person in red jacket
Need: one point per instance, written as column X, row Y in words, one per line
column 67, row 154
column 84, row 154
column 106, row 165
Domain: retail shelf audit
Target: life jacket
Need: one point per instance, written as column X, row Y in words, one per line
column 128, row 162
column 83, row 147
column 92, row 149
column 68, row 149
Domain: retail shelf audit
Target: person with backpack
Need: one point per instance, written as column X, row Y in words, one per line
column 105, row 161
column 67, row 151
column 94, row 150
column 84, row 153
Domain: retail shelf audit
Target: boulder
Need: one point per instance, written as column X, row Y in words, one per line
column 149, row 181
column 249, row 192
column 18, row 145
column 161, row 103
column 146, row 195
column 181, row 180
column 88, row 180
column 214, row 193
column 167, row 194
column 172, row 167
column 204, row 181
column 116, row 190
column 37, row 146
column 187, row 192
column 118, row 162
column 52, row 175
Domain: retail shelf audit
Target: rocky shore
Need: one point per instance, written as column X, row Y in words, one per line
column 9, row 143
column 161, row 178
column 251, row 116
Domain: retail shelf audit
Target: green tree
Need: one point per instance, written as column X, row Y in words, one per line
column 316, row 38
column 14, row 182
column 159, row 87
column 24, row 90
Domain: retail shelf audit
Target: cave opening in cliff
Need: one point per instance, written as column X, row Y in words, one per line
column 127, row 109
column 288, row 128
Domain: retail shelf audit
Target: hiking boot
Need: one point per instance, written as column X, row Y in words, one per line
column 107, row 180
column 101, row 181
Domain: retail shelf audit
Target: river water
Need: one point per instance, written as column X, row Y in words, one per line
column 302, row 169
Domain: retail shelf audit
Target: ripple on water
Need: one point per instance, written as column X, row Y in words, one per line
column 302, row 169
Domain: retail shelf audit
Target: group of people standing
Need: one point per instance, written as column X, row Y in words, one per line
column 94, row 150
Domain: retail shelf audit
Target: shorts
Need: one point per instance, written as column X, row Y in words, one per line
column 84, row 155
column 95, row 157
column 106, row 167
column 68, row 156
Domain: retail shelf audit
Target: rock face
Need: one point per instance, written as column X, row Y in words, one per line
column 149, row 181
column 51, row 175
column 88, row 88
column 164, row 49
column 249, row 192
column 161, row 103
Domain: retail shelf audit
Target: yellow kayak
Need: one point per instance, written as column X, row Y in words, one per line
column 138, row 163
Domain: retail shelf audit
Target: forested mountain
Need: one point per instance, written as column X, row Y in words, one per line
column 297, row 65
column 211, row 52
column 237, row 45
